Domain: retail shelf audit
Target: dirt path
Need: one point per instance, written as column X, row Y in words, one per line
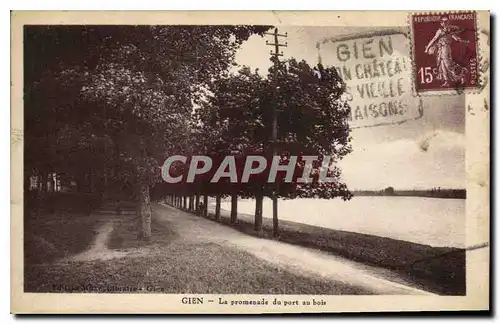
column 99, row 249
column 295, row 258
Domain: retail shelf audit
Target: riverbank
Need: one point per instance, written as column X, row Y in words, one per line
column 437, row 269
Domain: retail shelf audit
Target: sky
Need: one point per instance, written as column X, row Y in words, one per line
column 418, row 154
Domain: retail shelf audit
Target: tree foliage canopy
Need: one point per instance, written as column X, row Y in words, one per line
column 129, row 88
column 237, row 119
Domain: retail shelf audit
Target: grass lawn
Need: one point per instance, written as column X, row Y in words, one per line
column 124, row 235
column 440, row 270
column 183, row 268
column 166, row 264
column 51, row 236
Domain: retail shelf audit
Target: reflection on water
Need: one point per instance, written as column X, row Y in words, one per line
column 431, row 221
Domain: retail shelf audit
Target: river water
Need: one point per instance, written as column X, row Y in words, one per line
column 430, row 221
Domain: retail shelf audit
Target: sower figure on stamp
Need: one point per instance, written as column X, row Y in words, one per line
column 440, row 45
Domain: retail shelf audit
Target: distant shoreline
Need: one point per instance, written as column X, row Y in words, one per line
column 435, row 193
column 441, row 194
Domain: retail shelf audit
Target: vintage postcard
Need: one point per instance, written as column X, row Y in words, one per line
column 250, row 162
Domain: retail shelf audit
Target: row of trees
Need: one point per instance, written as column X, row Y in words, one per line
column 236, row 118
column 106, row 105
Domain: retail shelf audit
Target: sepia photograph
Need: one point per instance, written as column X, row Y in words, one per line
column 258, row 166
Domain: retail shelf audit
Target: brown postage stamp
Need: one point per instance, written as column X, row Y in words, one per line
column 445, row 51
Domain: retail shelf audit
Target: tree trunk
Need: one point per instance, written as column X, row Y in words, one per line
column 234, row 208
column 191, row 203
column 41, row 194
column 50, row 182
column 27, row 181
column 275, row 216
column 197, row 203
column 217, row 207
column 43, row 184
column 205, row 205
column 258, row 212
column 28, row 198
column 144, row 211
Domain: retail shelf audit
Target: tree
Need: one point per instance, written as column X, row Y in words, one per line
column 389, row 191
column 311, row 121
column 230, row 123
column 133, row 86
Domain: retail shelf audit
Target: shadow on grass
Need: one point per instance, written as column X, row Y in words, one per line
column 437, row 269
column 49, row 237
column 57, row 225
column 125, row 233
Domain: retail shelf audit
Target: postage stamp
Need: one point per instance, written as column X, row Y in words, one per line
column 445, row 51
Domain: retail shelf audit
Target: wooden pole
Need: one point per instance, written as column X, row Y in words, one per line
column 274, row 138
